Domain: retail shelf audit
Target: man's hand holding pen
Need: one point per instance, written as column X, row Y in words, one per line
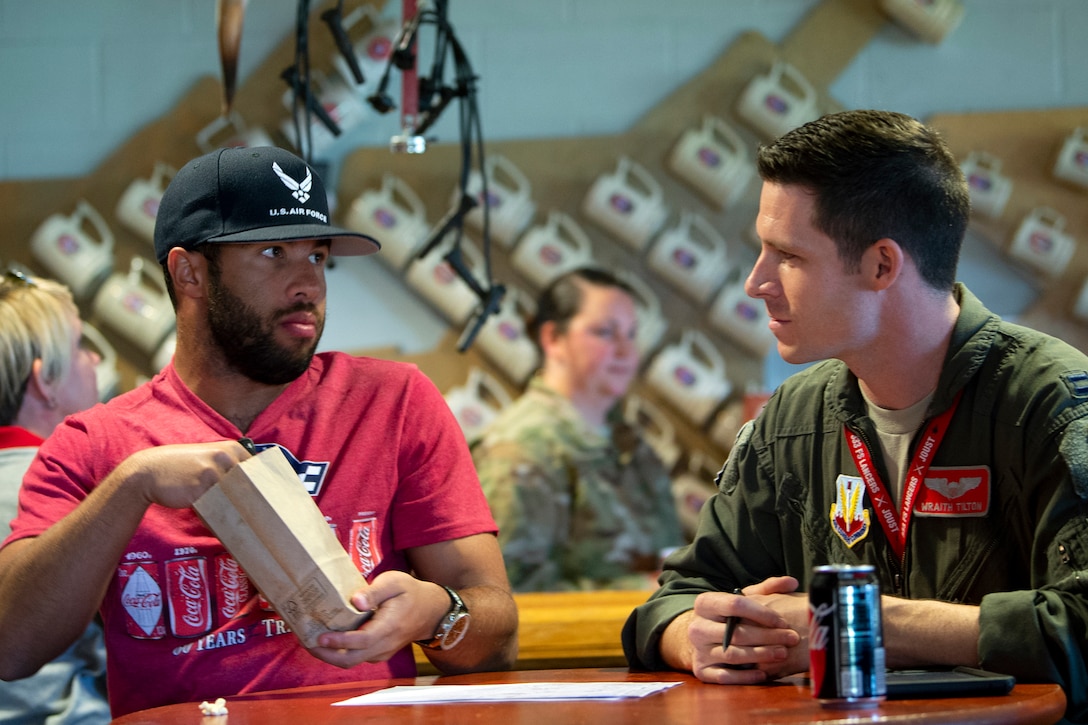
column 750, row 635
column 730, row 629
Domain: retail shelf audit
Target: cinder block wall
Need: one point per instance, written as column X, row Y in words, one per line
column 80, row 77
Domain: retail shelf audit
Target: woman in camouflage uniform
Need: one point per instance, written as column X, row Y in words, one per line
column 581, row 501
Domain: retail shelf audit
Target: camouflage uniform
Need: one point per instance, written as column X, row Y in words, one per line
column 576, row 510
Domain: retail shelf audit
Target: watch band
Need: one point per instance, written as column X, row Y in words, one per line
column 452, row 627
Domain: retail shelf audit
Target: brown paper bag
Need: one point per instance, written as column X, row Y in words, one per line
column 271, row 525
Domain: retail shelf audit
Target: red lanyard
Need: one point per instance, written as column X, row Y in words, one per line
column 896, row 529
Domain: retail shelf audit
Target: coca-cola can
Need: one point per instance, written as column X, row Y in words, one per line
column 846, row 639
column 189, row 595
column 232, row 587
column 141, row 598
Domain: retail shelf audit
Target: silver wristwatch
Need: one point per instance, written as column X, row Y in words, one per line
column 453, row 626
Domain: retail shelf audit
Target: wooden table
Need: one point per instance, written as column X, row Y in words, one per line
column 691, row 702
column 559, row 630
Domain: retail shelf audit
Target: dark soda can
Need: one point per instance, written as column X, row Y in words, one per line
column 846, row 639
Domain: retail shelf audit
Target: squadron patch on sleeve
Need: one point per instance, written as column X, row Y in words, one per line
column 1074, row 450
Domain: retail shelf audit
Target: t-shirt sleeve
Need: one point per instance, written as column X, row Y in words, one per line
column 438, row 496
column 55, row 483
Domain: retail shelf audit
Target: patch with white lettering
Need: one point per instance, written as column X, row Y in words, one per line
column 849, row 517
column 958, row 492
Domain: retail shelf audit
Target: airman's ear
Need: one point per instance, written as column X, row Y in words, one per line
column 882, row 263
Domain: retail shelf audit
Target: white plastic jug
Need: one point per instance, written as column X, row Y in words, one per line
column 437, row 282
column 476, row 403
column 231, row 131
column 691, row 256
column 743, row 319
column 76, row 249
column 107, row 377
column 1041, row 241
column 394, row 215
column 989, row 188
column 690, row 376
column 1072, row 163
column 652, row 324
column 654, row 427
column 136, row 305
column 733, row 415
column 372, row 49
column 628, row 203
column 727, row 423
column 930, row 20
column 713, row 160
column 550, row 249
column 692, row 487
column 139, row 204
column 344, row 106
column 510, row 200
column 778, row 101
column 504, row 339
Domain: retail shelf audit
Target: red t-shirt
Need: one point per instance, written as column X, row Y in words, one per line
column 374, row 443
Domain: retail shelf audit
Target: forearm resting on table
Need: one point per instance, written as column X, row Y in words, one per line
column 675, row 645
column 919, row 632
column 916, row 633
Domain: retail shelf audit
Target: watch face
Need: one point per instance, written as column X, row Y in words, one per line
column 456, row 631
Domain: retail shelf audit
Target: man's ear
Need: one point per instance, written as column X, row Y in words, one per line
column 882, row 263
column 189, row 272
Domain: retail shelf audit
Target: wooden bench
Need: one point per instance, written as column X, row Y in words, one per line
column 567, row 629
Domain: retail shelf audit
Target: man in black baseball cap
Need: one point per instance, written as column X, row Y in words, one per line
column 105, row 512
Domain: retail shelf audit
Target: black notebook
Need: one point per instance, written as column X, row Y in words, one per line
column 958, row 682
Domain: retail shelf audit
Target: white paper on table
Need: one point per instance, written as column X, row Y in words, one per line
column 421, row 694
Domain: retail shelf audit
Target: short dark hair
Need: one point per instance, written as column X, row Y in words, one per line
column 875, row 175
column 562, row 298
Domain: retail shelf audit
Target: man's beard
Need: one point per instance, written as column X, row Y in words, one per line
column 249, row 344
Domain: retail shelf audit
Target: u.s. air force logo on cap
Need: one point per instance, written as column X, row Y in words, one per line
column 310, row 473
column 849, row 517
column 299, row 189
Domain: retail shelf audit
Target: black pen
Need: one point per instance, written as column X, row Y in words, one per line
column 731, row 627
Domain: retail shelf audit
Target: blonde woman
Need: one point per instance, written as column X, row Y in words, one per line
column 45, row 375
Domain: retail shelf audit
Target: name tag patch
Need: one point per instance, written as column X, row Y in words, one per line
column 958, row 492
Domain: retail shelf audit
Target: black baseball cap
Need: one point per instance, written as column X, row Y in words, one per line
column 253, row 194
